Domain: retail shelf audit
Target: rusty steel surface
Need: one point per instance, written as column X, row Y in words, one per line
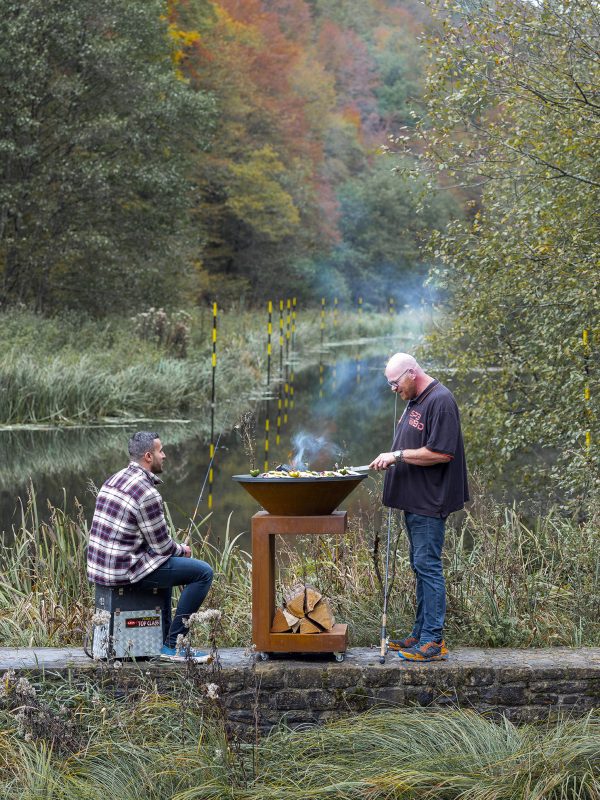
column 298, row 497
column 264, row 528
column 271, row 524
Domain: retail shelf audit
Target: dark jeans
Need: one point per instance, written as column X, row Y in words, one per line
column 192, row 573
column 426, row 540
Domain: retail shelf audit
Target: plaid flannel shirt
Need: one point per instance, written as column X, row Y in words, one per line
column 129, row 537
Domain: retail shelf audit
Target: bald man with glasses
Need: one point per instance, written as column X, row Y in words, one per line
column 426, row 477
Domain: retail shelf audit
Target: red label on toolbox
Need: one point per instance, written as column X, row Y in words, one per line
column 143, row 622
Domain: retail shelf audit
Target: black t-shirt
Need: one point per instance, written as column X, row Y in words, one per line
column 430, row 420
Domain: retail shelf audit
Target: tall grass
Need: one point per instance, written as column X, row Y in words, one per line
column 510, row 582
column 149, row 746
column 44, row 594
column 450, row 754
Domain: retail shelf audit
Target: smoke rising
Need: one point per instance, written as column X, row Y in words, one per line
column 309, row 449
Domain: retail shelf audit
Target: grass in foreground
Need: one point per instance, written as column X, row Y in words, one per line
column 145, row 745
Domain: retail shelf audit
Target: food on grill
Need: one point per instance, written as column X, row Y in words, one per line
column 308, row 473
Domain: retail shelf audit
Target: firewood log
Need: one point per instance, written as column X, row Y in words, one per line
column 322, row 614
column 294, row 600
column 280, row 623
column 312, row 598
column 291, row 619
column 306, row 626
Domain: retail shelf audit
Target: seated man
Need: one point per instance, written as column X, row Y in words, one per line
column 130, row 542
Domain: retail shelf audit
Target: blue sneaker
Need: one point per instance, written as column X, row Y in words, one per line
column 184, row 654
column 430, row 651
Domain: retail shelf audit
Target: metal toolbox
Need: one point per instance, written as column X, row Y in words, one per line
column 136, row 626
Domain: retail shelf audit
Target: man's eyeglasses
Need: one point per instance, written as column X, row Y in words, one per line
column 394, row 384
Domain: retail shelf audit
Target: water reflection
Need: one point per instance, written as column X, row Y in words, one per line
column 356, row 415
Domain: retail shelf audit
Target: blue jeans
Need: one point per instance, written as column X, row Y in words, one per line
column 192, row 573
column 425, row 543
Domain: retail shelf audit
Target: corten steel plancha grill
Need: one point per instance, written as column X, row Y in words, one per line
column 300, row 497
column 293, row 506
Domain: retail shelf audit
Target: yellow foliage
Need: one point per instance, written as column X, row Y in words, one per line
column 258, row 198
column 236, row 30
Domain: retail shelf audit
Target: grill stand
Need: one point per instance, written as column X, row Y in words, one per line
column 264, row 529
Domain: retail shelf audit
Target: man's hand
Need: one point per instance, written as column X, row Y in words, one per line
column 383, row 461
column 187, row 551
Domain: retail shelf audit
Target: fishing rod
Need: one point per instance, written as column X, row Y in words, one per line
column 383, row 643
column 210, row 463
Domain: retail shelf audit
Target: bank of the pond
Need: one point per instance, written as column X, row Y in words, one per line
column 71, row 369
column 128, row 736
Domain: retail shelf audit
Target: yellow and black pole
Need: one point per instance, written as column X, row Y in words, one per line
column 286, row 387
column 335, row 312
column 293, row 341
column 586, row 388
column 280, row 382
column 360, row 306
column 212, row 406
column 392, row 306
column 269, row 334
column 321, row 369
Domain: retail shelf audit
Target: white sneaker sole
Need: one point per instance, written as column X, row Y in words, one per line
column 182, row 659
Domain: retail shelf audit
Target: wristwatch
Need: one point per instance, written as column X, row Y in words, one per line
column 399, row 456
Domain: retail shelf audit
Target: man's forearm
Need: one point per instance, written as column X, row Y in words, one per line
column 423, row 457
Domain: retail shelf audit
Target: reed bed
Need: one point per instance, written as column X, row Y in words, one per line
column 73, row 369
column 511, row 581
column 92, row 746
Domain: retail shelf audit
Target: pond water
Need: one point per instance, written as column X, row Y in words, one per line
column 352, row 407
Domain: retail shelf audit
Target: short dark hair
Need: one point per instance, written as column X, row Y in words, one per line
column 141, row 442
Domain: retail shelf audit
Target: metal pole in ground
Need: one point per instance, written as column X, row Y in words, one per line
column 293, row 343
column 269, row 332
column 212, row 406
column 286, row 388
column 321, row 368
column 280, row 382
column 383, row 642
column 586, row 389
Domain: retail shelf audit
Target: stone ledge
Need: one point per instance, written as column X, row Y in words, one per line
column 523, row 685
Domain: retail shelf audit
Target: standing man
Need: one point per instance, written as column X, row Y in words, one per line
column 426, row 478
column 130, row 541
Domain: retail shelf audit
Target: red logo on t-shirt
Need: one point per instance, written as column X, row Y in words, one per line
column 413, row 419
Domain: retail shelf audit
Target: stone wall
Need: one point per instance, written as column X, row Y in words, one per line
column 523, row 685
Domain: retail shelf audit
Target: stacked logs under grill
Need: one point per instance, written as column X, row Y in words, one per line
column 304, row 610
